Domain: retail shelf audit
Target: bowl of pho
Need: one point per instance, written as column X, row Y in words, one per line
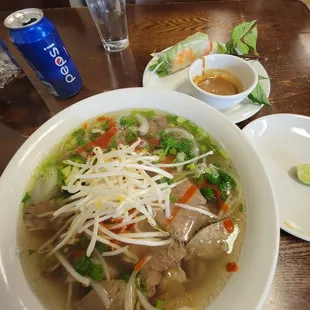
column 137, row 199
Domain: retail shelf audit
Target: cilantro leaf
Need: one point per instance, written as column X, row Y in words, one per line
column 161, row 68
column 258, row 95
column 168, row 143
column 101, row 247
column 241, row 30
column 86, row 267
column 83, row 242
column 96, row 272
column 126, row 277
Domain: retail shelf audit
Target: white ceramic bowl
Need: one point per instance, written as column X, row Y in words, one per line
column 235, row 65
column 246, row 289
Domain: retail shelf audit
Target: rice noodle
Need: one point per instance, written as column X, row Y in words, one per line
column 144, row 302
column 200, row 210
column 68, row 303
column 129, row 299
column 181, row 131
column 102, row 293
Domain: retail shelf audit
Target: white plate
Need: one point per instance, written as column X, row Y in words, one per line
column 283, row 142
column 178, row 81
column 262, row 236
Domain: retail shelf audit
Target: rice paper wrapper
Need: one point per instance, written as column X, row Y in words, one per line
column 186, row 52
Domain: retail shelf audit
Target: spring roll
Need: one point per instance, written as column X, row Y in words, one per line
column 182, row 54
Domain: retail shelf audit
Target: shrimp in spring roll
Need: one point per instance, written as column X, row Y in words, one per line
column 182, row 54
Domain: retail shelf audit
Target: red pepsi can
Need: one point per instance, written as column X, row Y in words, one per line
column 39, row 42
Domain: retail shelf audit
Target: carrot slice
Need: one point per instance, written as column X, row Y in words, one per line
column 141, row 263
column 153, row 141
column 229, row 225
column 190, row 192
column 232, row 267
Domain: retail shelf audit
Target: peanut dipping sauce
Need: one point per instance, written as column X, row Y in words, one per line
column 218, row 82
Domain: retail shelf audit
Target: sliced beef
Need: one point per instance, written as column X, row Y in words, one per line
column 186, row 223
column 162, row 260
column 32, row 221
column 120, row 138
column 172, row 283
column 161, row 122
column 210, row 242
column 116, row 291
column 194, row 268
column 153, row 129
column 180, row 190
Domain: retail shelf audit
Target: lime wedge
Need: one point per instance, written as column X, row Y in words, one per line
column 303, row 173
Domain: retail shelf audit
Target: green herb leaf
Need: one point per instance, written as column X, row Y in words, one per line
column 83, row 242
column 161, row 68
column 130, row 137
column 26, row 198
column 159, row 304
column 241, row 208
column 226, row 178
column 251, row 37
column 86, row 267
column 97, row 272
column 260, row 77
column 168, row 143
column 31, row 251
column 145, row 112
column 126, row 277
column 127, row 121
column 113, row 143
column 207, row 193
column 242, row 48
column 258, row 95
column 230, row 48
column 78, row 132
column 168, row 181
column 212, row 178
column 101, row 247
column 221, row 48
column 78, row 159
column 172, row 198
column 81, row 141
column 141, row 283
column 241, row 30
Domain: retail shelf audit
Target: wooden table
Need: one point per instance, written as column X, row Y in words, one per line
column 284, row 42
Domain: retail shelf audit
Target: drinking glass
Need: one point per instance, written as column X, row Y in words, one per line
column 111, row 21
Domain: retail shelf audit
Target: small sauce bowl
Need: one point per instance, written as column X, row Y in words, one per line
column 236, row 66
